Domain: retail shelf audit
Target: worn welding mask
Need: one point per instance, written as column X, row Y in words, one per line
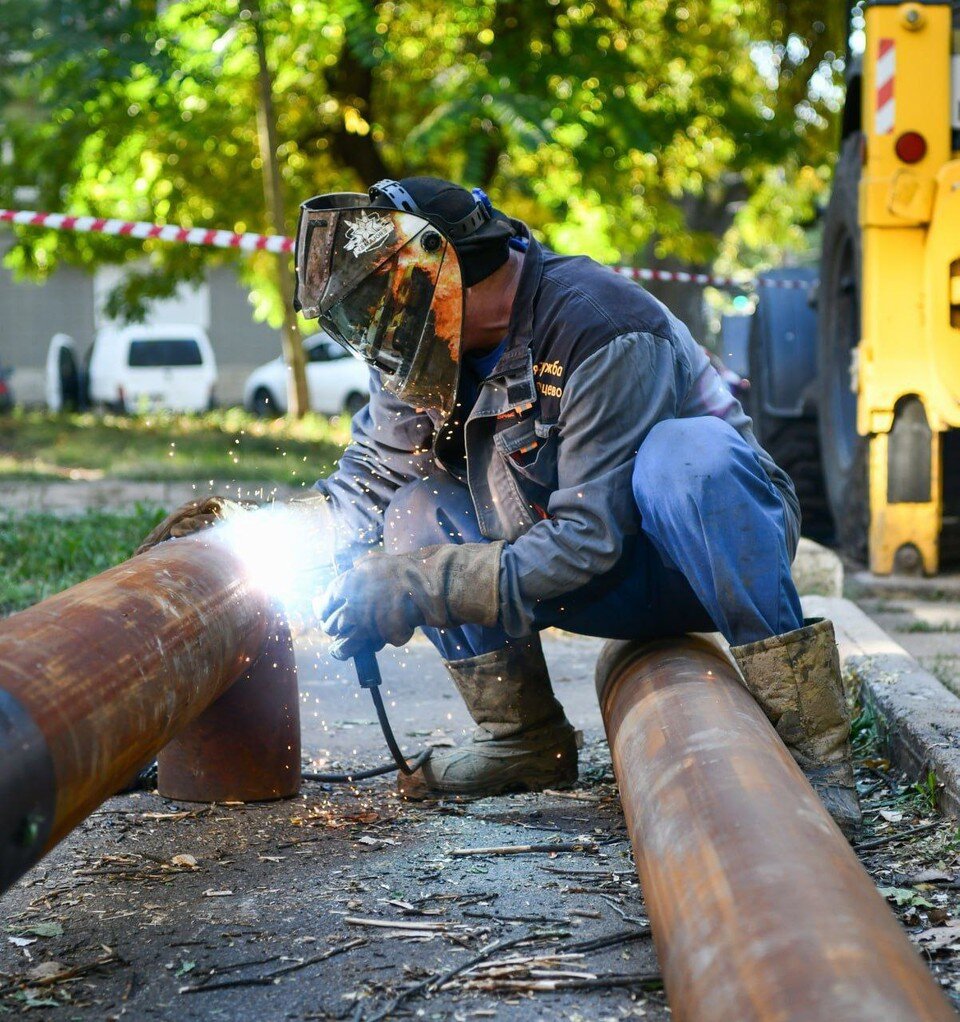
column 386, row 283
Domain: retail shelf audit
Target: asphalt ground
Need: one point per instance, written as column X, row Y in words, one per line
column 335, row 904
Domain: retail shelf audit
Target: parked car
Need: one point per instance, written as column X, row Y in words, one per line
column 135, row 368
column 336, row 381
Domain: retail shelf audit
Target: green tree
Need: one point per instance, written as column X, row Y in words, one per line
column 628, row 129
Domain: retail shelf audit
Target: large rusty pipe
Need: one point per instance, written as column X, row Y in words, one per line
column 759, row 908
column 96, row 680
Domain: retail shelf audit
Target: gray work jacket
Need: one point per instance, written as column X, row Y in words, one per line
column 592, row 362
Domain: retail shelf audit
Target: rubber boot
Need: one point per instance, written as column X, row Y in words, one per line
column 795, row 678
column 523, row 740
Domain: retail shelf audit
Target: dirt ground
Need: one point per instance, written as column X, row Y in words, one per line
column 346, row 903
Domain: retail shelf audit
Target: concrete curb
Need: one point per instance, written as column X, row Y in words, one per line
column 920, row 717
column 817, row 570
column 891, row 587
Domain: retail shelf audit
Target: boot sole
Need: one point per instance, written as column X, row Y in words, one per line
column 416, row 793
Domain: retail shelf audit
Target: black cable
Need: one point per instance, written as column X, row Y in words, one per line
column 368, row 674
column 364, row 775
column 398, row 756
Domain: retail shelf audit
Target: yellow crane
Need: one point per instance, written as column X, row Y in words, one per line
column 872, row 376
column 907, row 366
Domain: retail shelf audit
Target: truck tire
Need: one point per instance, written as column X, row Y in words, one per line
column 783, row 419
column 843, row 450
column 795, row 446
column 263, row 404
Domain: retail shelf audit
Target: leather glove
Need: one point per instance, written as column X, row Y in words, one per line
column 386, row 596
column 194, row 516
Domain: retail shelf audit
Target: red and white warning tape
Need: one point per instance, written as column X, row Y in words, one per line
column 276, row 243
column 731, row 283
column 139, row 229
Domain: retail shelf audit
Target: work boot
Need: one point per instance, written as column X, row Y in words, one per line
column 795, row 678
column 523, row 740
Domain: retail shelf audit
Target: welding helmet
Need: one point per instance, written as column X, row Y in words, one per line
column 384, row 278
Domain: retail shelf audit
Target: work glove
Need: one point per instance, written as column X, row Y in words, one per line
column 194, row 516
column 384, row 597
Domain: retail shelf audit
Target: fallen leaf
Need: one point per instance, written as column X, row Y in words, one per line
column 185, row 967
column 184, row 861
column 46, row 971
column 44, row 929
column 31, row 999
column 938, row 937
column 931, row 876
column 904, row 896
column 891, row 815
column 22, row 941
column 376, row 842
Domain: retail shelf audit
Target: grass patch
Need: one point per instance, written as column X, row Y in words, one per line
column 226, row 445
column 928, row 628
column 42, row 554
column 865, row 733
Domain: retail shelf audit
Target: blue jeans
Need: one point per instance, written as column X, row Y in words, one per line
column 711, row 553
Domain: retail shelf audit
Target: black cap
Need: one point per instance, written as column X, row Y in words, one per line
column 479, row 233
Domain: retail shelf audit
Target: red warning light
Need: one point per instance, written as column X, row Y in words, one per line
column 911, row 147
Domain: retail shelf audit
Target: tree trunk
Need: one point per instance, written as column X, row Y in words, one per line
column 708, row 214
column 298, row 401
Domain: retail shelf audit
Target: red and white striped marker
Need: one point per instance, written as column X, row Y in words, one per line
column 277, row 243
column 886, row 76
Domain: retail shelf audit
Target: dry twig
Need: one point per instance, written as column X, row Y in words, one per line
column 879, row 842
column 62, row 977
column 432, row 983
column 565, row 846
column 271, row 977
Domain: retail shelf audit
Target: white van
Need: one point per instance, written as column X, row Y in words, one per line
column 146, row 368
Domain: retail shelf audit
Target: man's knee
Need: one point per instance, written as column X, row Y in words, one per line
column 681, row 459
column 427, row 512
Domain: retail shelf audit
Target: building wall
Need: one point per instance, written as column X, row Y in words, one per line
column 30, row 314
column 240, row 343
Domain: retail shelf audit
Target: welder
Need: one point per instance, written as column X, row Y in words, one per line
column 545, row 445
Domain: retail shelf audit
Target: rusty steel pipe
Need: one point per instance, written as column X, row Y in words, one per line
column 96, row 680
column 759, row 908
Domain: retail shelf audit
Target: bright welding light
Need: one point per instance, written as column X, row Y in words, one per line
column 287, row 552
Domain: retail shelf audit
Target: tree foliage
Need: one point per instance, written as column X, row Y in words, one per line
column 609, row 125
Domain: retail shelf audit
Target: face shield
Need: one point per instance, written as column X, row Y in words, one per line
column 386, row 284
